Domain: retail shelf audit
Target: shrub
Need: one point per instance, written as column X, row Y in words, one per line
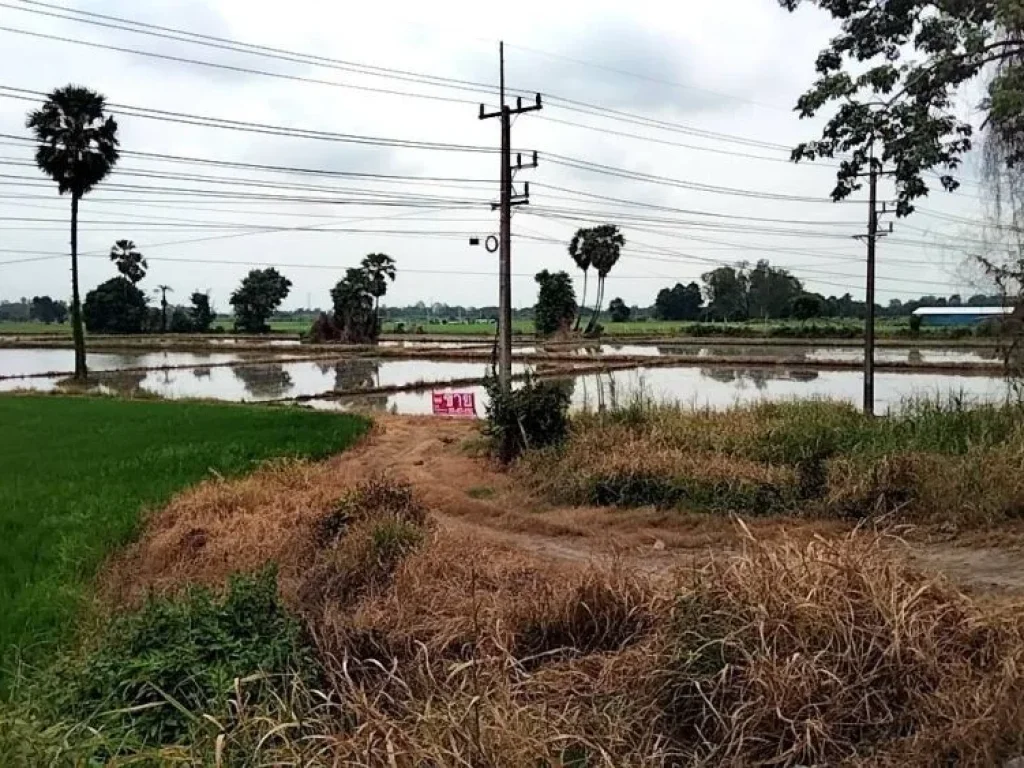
column 155, row 671
column 534, row 415
column 115, row 306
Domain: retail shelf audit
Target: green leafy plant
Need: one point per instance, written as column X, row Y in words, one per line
column 155, row 672
column 534, row 415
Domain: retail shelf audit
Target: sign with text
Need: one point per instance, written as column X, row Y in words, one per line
column 462, row 404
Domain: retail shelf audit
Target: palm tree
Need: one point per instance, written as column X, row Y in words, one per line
column 130, row 263
column 379, row 268
column 599, row 247
column 581, row 256
column 77, row 148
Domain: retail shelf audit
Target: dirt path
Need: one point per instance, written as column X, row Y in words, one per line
column 222, row 526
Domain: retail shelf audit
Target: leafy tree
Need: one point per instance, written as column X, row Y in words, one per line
column 201, row 314
column 181, row 321
column 679, row 303
column 726, row 289
column 46, row 310
column 116, row 306
column 254, row 301
column 556, row 303
column 130, row 263
column 771, row 291
column 600, row 247
column 355, row 316
column 619, row 311
column 77, row 147
column 379, row 269
column 806, row 306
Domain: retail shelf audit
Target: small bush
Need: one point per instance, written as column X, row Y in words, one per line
column 153, row 673
column 534, row 415
column 363, row 540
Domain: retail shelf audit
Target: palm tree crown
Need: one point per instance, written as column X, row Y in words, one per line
column 77, row 141
column 130, row 262
column 379, row 268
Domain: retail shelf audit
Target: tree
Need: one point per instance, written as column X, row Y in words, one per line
column 254, row 301
column 679, row 303
column 619, row 311
column 355, row 317
column 201, row 314
column 806, row 306
column 771, row 291
column 556, row 303
column 581, row 256
column 77, row 147
column 726, row 289
column 116, row 306
column 162, row 290
column 130, row 263
column 46, row 310
column 379, row 269
column 599, row 247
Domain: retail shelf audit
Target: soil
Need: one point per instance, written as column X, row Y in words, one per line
column 222, row 526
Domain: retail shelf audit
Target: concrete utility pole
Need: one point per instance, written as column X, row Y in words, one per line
column 507, row 200
column 869, row 293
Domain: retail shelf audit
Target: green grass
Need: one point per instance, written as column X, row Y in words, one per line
column 79, row 472
column 12, row 327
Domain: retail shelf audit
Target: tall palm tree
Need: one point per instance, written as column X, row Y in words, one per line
column 130, row 263
column 581, row 255
column 599, row 247
column 379, row 268
column 77, row 148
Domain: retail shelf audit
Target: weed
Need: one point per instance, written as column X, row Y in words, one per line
column 481, row 492
column 533, row 415
column 154, row 672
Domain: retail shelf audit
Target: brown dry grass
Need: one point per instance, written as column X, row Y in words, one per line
column 460, row 646
column 832, row 652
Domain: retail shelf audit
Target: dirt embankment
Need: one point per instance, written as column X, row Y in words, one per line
column 222, row 526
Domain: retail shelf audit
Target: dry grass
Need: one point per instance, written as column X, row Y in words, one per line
column 833, row 652
column 933, row 463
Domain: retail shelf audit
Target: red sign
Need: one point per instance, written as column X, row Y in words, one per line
column 462, row 404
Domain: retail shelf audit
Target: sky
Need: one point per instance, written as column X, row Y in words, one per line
column 698, row 95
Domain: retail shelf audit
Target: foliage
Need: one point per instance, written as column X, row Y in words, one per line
column 771, row 291
column 77, row 140
column 599, row 247
column 201, row 313
column 62, row 517
column 620, row 313
column 727, row 290
column 130, row 263
column 77, row 148
column 805, row 307
column 679, row 303
column 254, row 301
column 46, row 310
column 533, row 415
column 155, row 671
column 556, row 303
column 115, row 306
column 354, row 313
column 379, row 269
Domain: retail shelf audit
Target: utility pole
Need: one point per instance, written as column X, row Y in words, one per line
column 869, row 293
column 507, row 200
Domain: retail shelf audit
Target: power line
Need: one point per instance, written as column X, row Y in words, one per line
column 148, row 113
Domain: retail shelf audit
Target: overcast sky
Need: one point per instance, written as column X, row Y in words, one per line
column 733, row 67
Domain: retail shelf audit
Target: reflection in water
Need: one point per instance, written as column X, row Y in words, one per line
column 201, row 373
column 758, row 377
column 357, row 374
column 267, row 382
